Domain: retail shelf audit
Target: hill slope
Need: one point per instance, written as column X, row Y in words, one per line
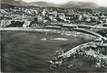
column 71, row 4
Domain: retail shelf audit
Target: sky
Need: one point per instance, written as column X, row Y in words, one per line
column 99, row 2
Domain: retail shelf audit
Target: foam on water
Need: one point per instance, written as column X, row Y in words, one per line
column 43, row 39
column 61, row 39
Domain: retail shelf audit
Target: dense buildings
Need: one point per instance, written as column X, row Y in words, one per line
column 47, row 16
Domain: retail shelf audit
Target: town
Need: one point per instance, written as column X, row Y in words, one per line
column 40, row 17
column 53, row 39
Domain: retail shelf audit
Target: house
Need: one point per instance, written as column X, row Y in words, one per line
column 61, row 15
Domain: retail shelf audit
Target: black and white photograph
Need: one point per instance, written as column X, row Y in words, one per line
column 53, row 36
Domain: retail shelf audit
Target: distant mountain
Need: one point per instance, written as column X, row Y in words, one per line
column 43, row 4
column 70, row 4
column 14, row 2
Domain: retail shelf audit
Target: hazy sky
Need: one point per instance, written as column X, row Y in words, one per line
column 99, row 2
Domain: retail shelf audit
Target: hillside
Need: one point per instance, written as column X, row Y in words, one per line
column 14, row 3
column 43, row 4
column 71, row 4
